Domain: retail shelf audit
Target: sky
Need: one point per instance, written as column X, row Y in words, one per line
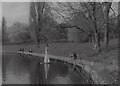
column 18, row 11
column 0, row 12
column 15, row 12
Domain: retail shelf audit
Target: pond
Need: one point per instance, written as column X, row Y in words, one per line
column 26, row 69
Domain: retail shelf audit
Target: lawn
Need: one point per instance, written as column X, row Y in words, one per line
column 83, row 50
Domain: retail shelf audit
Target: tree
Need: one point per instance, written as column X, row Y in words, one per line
column 19, row 33
column 118, row 19
column 5, row 38
column 106, row 10
column 49, row 35
column 24, row 36
column 94, row 20
column 62, row 31
column 113, row 30
column 64, row 14
column 97, row 14
column 88, row 12
column 36, row 18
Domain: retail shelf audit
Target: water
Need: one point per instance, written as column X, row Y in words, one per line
column 24, row 69
column 0, row 68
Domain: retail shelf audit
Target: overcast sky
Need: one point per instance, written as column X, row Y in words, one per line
column 15, row 12
column 19, row 12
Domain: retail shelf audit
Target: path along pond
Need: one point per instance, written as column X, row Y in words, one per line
column 27, row 69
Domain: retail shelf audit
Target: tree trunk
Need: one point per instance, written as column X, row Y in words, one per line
column 106, row 32
column 106, row 29
column 118, row 23
column 106, row 37
column 96, row 32
column 39, row 12
column 38, row 40
column 97, row 41
column 37, row 35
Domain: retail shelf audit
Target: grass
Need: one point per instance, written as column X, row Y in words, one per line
column 83, row 50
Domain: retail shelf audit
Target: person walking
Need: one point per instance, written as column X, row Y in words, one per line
column 74, row 55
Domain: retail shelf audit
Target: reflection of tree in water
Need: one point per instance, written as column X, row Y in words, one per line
column 19, row 64
column 14, row 63
column 36, row 72
column 22, row 62
column 56, row 69
column 4, row 66
column 77, row 75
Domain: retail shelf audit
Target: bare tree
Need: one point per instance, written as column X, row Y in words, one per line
column 90, row 12
column 97, row 32
column 37, row 10
column 94, row 10
column 106, row 11
column 90, row 9
column 118, row 20
column 62, row 10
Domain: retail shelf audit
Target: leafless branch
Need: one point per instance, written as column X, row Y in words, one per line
column 113, row 11
column 89, row 12
column 64, row 18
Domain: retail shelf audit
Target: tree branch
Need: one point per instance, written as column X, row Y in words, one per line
column 113, row 11
column 90, row 16
column 69, row 25
column 77, row 28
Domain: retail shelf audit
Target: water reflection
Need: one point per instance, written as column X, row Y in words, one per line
column 23, row 69
column 0, row 67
